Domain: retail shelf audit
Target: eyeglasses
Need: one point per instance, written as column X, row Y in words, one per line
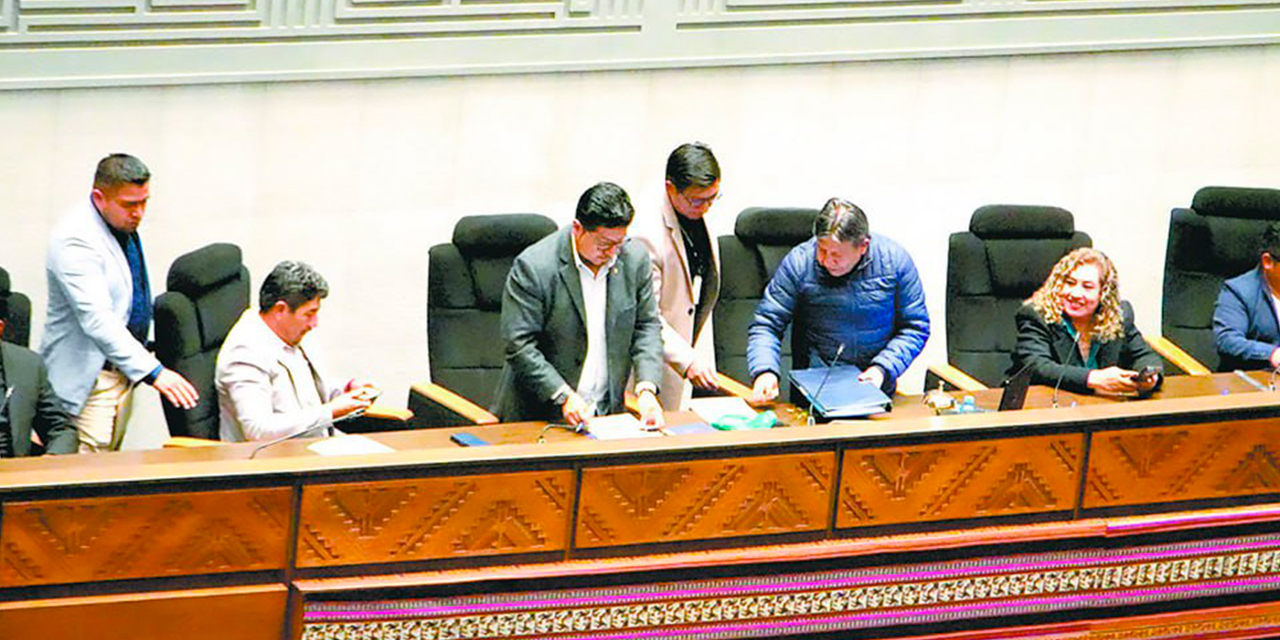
column 701, row 202
column 605, row 245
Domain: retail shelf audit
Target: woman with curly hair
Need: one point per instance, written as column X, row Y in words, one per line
column 1076, row 331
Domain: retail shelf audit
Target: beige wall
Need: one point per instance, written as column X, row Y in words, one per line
column 360, row 177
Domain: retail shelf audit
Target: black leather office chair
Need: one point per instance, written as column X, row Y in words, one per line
column 761, row 238
column 17, row 324
column 465, row 281
column 208, row 289
column 992, row 268
column 1213, row 240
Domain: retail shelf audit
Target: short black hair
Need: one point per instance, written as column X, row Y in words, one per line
column 841, row 220
column 692, row 165
column 604, row 205
column 1271, row 241
column 119, row 168
column 295, row 283
column 4, row 306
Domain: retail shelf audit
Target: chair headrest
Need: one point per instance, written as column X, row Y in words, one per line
column 775, row 225
column 1014, row 221
column 4, row 282
column 500, row 235
column 1238, row 202
column 204, row 268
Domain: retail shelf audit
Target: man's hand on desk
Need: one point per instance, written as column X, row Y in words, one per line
column 1275, row 358
column 765, row 389
column 702, row 375
column 575, row 409
column 873, row 376
column 357, row 400
column 650, row 410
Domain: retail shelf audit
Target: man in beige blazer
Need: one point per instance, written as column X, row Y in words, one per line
column 686, row 270
column 269, row 386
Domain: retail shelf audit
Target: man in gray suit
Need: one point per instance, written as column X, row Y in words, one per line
column 99, row 314
column 26, row 399
column 578, row 315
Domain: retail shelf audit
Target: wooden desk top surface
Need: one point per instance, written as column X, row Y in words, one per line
column 1180, row 396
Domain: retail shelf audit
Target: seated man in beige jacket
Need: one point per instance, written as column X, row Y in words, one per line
column 686, row 270
column 268, row 385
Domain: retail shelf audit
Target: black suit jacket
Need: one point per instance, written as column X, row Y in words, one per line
column 33, row 404
column 1051, row 352
column 543, row 326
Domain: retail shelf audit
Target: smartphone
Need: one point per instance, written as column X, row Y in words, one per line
column 1147, row 374
column 464, row 439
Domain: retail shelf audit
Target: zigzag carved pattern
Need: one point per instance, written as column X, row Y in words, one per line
column 1258, row 470
column 590, row 521
column 709, row 495
column 1020, row 490
column 113, row 538
column 1142, row 452
column 957, row 480
column 855, row 507
column 817, row 473
column 366, row 510
column 1191, row 462
column 502, row 528
column 704, row 499
column 976, row 463
column 768, row 509
column 1202, row 461
column 643, row 491
column 899, row 473
column 140, row 541
column 434, row 518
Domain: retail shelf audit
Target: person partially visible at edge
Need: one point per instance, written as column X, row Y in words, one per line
column 1245, row 326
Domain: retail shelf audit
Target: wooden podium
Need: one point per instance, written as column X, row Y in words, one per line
column 1100, row 518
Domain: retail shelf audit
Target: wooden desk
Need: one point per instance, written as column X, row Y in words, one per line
column 205, row 531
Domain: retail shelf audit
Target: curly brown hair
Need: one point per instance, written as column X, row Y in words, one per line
column 1108, row 322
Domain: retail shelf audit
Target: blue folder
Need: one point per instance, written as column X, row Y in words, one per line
column 842, row 396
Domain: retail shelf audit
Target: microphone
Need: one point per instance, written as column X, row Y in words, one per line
column 1075, row 352
column 327, row 428
column 827, row 376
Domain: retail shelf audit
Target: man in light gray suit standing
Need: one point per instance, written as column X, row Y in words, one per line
column 99, row 314
column 578, row 315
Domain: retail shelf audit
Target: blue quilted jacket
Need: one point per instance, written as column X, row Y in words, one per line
column 876, row 311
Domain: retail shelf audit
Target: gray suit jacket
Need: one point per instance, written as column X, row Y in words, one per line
column 33, row 404
column 545, row 333
column 90, row 289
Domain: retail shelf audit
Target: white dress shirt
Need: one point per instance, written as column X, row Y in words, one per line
column 593, row 384
column 266, row 387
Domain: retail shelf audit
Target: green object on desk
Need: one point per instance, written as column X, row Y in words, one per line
column 762, row 420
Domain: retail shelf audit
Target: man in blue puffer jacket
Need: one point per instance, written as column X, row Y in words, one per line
column 844, row 287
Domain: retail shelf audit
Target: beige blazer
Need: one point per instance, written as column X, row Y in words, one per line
column 684, row 336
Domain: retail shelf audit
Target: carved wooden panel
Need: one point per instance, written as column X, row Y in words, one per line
column 1217, row 460
column 91, row 539
column 958, row 480
column 703, row 499
column 433, row 518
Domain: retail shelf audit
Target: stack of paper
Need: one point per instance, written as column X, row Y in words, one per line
column 618, row 427
column 834, row 392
